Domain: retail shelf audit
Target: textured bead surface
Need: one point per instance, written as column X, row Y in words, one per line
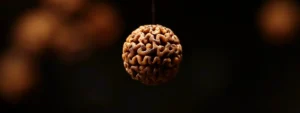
column 152, row 54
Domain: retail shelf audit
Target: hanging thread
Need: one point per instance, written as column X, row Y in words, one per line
column 153, row 12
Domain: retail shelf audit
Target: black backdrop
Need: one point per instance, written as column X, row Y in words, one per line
column 226, row 68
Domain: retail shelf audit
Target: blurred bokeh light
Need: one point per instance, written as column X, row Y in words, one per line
column 18, row 74
column 33, row 30
column 63, row 7
column 70, row 44
column 73, row 29
column 278, row 20
column 103, row 24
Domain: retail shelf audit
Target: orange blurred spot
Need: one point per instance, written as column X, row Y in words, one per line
column 17, row 76
column 34, row 30
column 64, row 6
column 70, row 44
column 278, row 21
column 102, row 24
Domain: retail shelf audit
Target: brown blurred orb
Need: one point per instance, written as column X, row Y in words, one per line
column 70, row 44
column 102, row 24
column 33, row 31
column 278, row 20
column 17, row 78
column 64, row 6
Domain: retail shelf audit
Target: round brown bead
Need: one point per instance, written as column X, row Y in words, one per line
column 152, row 54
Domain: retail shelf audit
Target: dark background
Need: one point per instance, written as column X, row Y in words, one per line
column 226, row 68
